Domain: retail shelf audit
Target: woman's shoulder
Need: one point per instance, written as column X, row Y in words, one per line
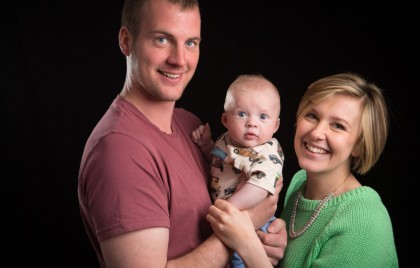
column 295, row 184
column 298, row 179
column 364, row 205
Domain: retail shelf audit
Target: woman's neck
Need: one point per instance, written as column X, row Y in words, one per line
column 320, row 185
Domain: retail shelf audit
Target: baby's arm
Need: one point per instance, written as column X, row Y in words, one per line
column 261, row 176
column 247, row 196
column 202, row 137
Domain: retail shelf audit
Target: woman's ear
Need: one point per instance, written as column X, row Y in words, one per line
column 356, row 151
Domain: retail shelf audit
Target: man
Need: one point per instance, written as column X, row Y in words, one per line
column 143, row 182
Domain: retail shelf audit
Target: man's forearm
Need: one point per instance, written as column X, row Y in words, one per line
column 210, row 254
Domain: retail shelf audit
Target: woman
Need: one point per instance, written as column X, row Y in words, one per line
column 332, row 220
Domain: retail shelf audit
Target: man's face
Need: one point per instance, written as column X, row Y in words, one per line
column 165, row 54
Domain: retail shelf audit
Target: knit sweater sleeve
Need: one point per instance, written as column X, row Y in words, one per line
column 359, row 235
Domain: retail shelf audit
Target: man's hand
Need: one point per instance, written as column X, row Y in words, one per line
column 275, row 241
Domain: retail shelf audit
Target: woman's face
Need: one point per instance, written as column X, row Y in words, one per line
column 327, row 133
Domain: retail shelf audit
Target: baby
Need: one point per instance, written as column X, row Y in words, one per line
column 246, row 160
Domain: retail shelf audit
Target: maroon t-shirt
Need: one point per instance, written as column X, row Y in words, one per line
column 134, row 176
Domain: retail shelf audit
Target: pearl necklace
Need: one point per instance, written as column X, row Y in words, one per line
column 328, row 197
column 305, row 227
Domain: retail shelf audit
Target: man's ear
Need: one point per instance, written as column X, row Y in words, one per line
column 125, row 40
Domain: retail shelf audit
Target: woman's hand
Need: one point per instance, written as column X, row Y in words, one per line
column 236, row 230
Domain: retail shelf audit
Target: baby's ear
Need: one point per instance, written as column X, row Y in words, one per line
column 277, row 124
column 224, row 119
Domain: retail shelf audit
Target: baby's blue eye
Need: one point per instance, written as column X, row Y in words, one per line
column 263, row 116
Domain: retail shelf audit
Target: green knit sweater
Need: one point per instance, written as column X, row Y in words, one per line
column 353, row 230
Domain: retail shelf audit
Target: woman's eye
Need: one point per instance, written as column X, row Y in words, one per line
column 338, row 126
column 310, row 116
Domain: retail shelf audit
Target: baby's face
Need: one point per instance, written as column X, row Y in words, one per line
column 253, row 117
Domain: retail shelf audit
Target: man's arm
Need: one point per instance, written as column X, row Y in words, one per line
column 148, row 248
column 210, row 253
column 142, row 248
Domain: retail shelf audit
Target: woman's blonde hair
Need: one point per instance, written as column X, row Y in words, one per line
column 374, row 124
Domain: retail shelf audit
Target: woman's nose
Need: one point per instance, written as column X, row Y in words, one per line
column 319, row 131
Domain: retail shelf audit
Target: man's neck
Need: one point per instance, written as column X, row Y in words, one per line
column 159, row 113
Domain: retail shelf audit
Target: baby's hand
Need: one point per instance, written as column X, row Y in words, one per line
column 202, row 135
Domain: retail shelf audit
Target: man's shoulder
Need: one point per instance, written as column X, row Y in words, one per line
column 186, row 119
column 182, row 112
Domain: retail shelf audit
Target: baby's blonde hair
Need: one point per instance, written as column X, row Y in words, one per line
column 250, row 81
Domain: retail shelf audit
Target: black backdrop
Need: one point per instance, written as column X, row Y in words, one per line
column 61, row 67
